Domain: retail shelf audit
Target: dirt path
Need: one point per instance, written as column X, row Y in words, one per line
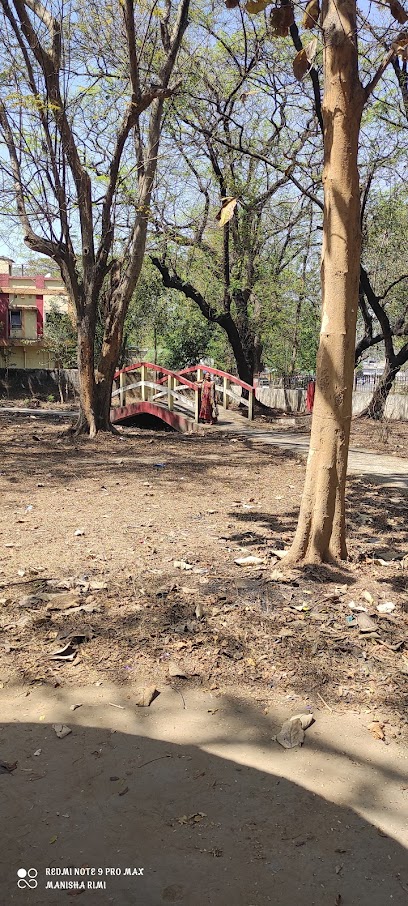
column 194, row 791
column 382, row 468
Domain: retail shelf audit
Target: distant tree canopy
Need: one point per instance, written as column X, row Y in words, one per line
column 61, row 338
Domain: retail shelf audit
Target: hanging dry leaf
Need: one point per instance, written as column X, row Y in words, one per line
column 228, row 207
column 300, row 64
column 400, row 45
column 311, row 50
column 231, row 4
column 398, row 11
column 311, row 14
column 281, row 19
column 256, row 6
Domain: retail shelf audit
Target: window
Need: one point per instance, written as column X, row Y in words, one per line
column 16, row 319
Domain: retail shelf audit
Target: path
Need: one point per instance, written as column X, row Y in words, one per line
column 195, row 792
column 384, row 469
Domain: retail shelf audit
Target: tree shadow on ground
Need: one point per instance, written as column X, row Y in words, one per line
column 70, row 459
column 205, row 803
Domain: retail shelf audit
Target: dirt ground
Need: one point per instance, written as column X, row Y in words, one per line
column 118, row 573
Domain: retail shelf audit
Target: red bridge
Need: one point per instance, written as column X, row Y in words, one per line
column 173, row 397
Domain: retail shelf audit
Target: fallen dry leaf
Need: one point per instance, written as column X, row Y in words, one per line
column 147, row 696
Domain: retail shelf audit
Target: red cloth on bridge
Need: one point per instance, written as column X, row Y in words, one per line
column 310, row 395
column 208, row 408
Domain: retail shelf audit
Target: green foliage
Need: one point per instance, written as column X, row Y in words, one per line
column 308, row 340
column 188, row 337
column 61, row 337
column 164, row 327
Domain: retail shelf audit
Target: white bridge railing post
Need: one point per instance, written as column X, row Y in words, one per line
column 224, row 393
column 143, row 383
column 122, row 388
column 170, row 400
column 251, row 405
column 196, row 405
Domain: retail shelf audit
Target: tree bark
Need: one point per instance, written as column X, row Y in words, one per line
column 242, row 354
column 320, row 534
column 86, row 422
column 107, row 364
column 393, row 365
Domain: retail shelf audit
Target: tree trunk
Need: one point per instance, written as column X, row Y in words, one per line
column 320, row 534
column 295, row 341
column 242, row 354
column 86, row 422
column 95, row 385
column 104, row 375
column 258, row 351
column 393, row 365
column 377, row 405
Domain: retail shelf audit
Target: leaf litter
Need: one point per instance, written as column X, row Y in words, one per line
column 263, row 629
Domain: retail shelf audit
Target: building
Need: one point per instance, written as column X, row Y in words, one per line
column 24, row 304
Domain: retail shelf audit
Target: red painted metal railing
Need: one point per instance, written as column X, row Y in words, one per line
column 216, row 371
column 164, row 371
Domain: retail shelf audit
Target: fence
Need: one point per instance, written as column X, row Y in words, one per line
column 367, row 382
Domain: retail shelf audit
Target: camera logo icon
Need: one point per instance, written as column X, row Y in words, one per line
column 27, row 878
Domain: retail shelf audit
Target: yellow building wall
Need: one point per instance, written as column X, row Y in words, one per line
column 26, row 357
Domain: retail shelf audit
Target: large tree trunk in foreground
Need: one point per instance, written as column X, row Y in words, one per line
column 320, row 534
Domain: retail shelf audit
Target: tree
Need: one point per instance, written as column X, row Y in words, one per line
column 237, row 227
column 385, row 232
column 82, row 133
column 60, row 335
column 321, row 534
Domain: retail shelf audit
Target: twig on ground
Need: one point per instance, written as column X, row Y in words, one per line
column 159, row 758
column 325, row 703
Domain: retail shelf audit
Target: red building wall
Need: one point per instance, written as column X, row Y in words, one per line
column 3, row 316
column 4, row 303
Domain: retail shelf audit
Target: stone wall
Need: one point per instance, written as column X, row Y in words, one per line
column 295, row 401
column 38, row 383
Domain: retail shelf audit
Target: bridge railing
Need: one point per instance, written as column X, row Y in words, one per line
column 227, row 385
column 145, row 381
column 149, row 382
